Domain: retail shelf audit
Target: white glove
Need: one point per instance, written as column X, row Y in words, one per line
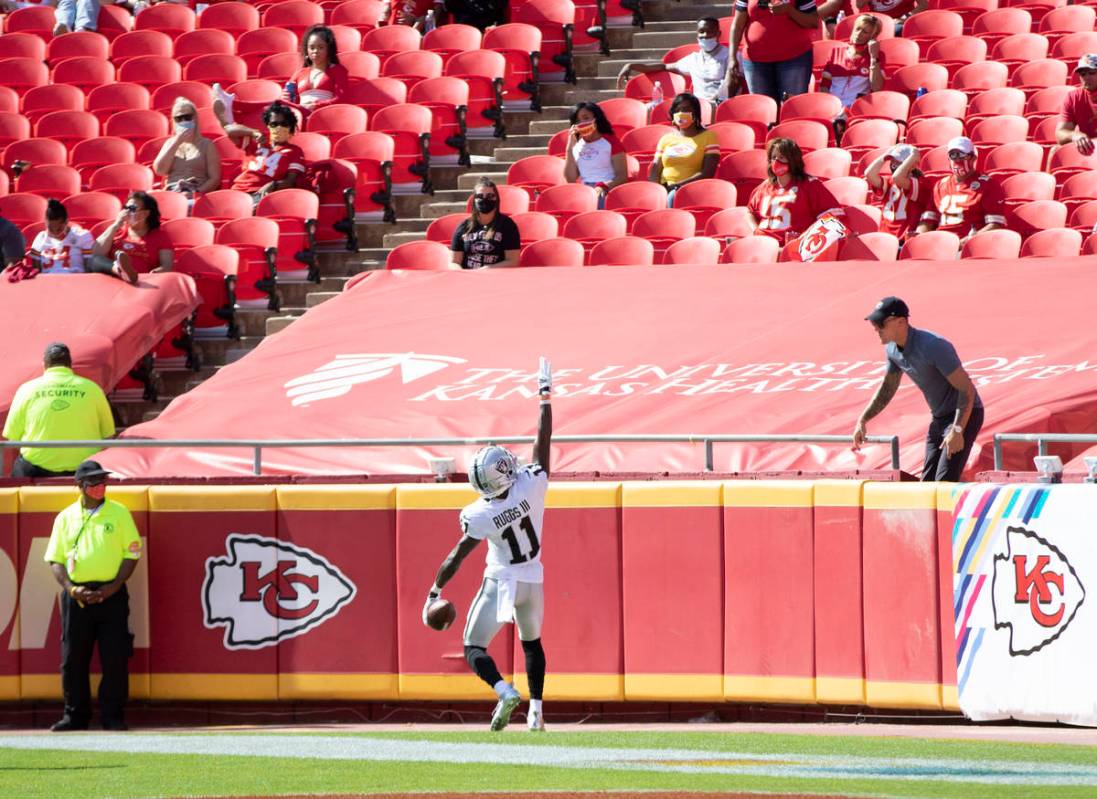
column 544, row 377
column 431, row 596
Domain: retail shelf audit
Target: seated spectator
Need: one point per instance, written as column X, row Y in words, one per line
column 63, row 249
column 275, row 162
column 487, row 238
column 1078, row 121
column 778, row 56
column 707, row 68
column 412, row 13
column 965, row 202
column 692, row 153
column 12, row 243
column 858, row 69
column 137, row 6
column 75, row 15
column 188, row 160
column 594, row 156
column 482, row 14
column 134, row 244
column 322, row 80
column 789, row 200
column 899, row 10
column 902, row 194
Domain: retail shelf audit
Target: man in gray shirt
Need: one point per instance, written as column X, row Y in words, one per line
column 935, row 368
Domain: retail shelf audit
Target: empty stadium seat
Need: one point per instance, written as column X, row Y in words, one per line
column 704, row 198
column 664, row 227
column 84, row 72
column 296, row 212
column 565, row 201
column 188, row 232
column 622, row 251
column 810, row 135
column 207, row 41
column 957, row 51
column 993, row 244
column 532, row 226
column 255, row 240
column 336, row 121
column 213, row 268
column 536, row 173
column 993, row 26
column 362, row 15
column 34, row 151
column 172, row 204
column 294, row 15
column 151, row 71
column 255, row 45
column 140, row 43
column 733, row 137
column 391, row 39
column 13, row 127
column 642, row 142
column 594, row 226
column 22, row 209
column 89, row 208
column 361, row 65
column 223, row 205
column 23, row 74
column 77, row 44
column 409, row 127
column 935, row 245
column 868, row 134
column 1018, row 49
column 976, row 78
column 449, row 40
column 421, row 254
column 412, row 67
column 1012, row 158
column 909, row 80
column 67, row 127
column 447, row 101
column 371, row 153
column 752, row 250
column 121, row 179
column 932, row 25
column 52, row 181
column 1052, row 243
column 693, row 250
column 757, row 110
column 22, row 45
column 939, row 103
column 442, row 228
column 105, row 101
column 1028, row 218
column 884, row 246
column 553, row 252
column 483, row 71
column 635, row 198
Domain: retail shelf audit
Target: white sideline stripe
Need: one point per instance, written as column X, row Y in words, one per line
column 666, row 760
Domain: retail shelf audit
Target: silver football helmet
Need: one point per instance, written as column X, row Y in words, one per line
column 491, row 471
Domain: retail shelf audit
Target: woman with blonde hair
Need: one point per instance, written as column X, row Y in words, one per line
column 487, row 238
column 188, row 161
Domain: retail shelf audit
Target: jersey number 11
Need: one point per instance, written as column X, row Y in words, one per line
column 516, row 555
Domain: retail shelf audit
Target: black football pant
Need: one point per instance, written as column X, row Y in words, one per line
column 82, row 627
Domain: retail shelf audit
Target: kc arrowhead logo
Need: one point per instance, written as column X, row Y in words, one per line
column 338, row 377
column 267, row 590
column 1036, row 591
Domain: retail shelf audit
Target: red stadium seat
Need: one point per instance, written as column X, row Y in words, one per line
column 641, row 143
column 884, row 246
column 733, row 137
column 362, row 15
column 165, row 96
column 939, row 103
column 255, row 45
column 1073, row 46
column 731, row 223
column 67, row 127
column 745, row 169
column 137, row 126
column 347, row 39
column 84, row 73
column 255, row 240
column 635, row 198
column 232, row 17
column 336, row 121
column 52, row 181
column 975, row 78
column 1089, row 246
column 412, row 67
column 377, row 94
column 151, row 71
column 1036, row 75
column 207, row 41
column 536, row 173
column 624, row 114
column 22, row 45
column 806, row 133
column 822, row 108
column 13, row 127
column 278, row 67
column 1001, row 129
column 1044, row 132
column 705, row 198
column 565, row 201
column 392, row 39
column 898, row 53
column 1077, row 189
column 932, row 25
column 449, row 40
column 935, row 162
column 848, row 190
column 315, row 146
column 1019, row 48
column 908, row 80
column 335, row 182
column 1029, row 217
column 969, row 10
column 1011, row 158
column 168, row 18
column 217, row 68
column 22, row 209
column 622, row 251
column 512, row 200
column 138, row 43
column 553, row 252
column 862, row 218
column 172, row 204
column 121, row 179
column 86, row 44
column 447, row 100
column 1084, row 217
column 371, row 154
column 105, row 101
column 595, row 226
column 757, row 110
column 933, row 131
column 296, row 212
column 483, row 71
column 890, row 106
column 222, row 206
column 992, row 244
column 188, row 233
column 35, row 151
column 442, row 228
column 936, row 245
column 993, row 26
column 213, row 268
column 1046, row 103
column 563, row 27
column 821, row 52
column 516, row 42
column 995, row 102
column 1052, row 243
column 294, row 15
column 693, row 250
column 420, row 254
column 641, row 86
column 751, row 250
column 361, row 65
column 868, row 134
column 957, row 51
column 664, row 227
column 532, row 226
column 1026, row 187
column 89, row 208
column 1064, row 162
column 1068, row 19
column 409, row 126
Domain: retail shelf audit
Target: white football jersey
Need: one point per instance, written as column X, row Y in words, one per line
column 63, row 256
column 512, row 527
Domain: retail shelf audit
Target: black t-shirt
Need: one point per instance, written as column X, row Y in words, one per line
column 478, row 13
column 481, row 250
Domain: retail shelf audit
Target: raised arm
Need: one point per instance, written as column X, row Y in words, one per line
column 542, row 447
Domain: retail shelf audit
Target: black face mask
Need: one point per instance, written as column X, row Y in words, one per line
column 486, row 205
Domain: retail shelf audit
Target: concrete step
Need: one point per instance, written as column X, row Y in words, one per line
column 131, row 413
column 468, row 180
column 407, row 205
column 658, row 42
column 174, row 382
column 547, row 127
column 293, row 294
column 318, row 297
column 218, row 351
column 671, row 10
column 528, row 140
column 508, row 155
column 436, row 210
column 396, row 239
column 278, row 323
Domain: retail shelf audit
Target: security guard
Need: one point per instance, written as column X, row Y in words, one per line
column 93, row 550
column 57, row 406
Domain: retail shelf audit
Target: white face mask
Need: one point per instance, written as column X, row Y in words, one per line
column 190, row 125
column 708, row 45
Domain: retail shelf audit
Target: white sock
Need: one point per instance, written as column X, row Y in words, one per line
column 535, row 705
column 500, row 688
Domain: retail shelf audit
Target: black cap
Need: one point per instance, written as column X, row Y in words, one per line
column 90, row 469
column 888, row 306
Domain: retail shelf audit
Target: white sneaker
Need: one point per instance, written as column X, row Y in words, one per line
column 500, row 717
column 226, row 101
column 535, row 721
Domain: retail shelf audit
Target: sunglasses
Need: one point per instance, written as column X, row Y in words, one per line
column 956, row 155
column 131, row 209
column 274, row 125
column 184, row 118
column 1084, row 72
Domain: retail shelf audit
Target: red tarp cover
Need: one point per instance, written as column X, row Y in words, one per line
column 107, row 324
column 779, row 348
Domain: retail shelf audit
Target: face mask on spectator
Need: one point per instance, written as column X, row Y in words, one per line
column 780, row 168
column 708, row 45
column 188, row 125
column 684, row 119
column 485, row 204
column 585, row 128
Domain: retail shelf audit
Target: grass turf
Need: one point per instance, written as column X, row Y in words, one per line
column 26, row 774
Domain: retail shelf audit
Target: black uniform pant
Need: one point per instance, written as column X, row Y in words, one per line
column 24, row 468
column 107, row 624
column 943, row 468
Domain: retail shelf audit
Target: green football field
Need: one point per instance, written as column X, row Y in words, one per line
column 256, row 763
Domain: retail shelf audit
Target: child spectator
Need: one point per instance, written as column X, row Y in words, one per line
column 62, row 249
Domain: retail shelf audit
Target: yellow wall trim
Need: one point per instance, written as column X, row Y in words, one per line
column 840, row 690
column 451, row 687
column 672, row 494
column 211, row 498
column 341, row 686
column 48, row 686
column 9, row 688
column 749, row 688
column 838, row 493
column 233, row 687
column 583, row 495
column 900, row 496
column 768, row 493
column 950, row 697
column 9, row 500
column 48, row 499
column 434, row 496
column 577, row 687
column 337, row 497
column 675, row 687
column 926, row 695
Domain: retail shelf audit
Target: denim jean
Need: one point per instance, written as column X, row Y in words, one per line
column 778, row 78
column 78, row 15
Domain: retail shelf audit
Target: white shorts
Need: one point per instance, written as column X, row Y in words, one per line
column 483, row 623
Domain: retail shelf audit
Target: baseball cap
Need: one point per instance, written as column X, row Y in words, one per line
column 888, row 306
column 961, row 143
column 1088, row 61
column 90, row 469
column 900, row 152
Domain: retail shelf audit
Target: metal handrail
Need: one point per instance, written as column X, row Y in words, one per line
column 257, row 445
column 1041, row 440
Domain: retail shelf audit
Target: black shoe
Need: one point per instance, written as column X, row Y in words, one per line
column 630, row 5
column 67, row 724
column 115, row 725
column 597, row 32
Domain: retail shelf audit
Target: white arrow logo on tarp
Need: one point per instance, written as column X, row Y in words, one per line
column 336, row 378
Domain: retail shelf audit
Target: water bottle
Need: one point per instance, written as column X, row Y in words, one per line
column 291, row 90
column 921, row 90
column 657, row 94
column 838, row 19
column 428, row 22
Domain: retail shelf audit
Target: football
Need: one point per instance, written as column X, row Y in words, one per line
column 440, row 614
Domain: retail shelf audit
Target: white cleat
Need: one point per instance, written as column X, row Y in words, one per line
column 226, row 100
column 500, row 718
column 535, row 721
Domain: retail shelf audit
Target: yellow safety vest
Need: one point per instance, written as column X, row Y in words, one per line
column 92, row 544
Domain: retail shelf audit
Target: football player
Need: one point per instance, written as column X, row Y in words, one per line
column 508, row 515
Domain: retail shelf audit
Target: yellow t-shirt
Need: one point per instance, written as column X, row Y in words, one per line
column 92, row 544
column 682, row 156
column 57, row 406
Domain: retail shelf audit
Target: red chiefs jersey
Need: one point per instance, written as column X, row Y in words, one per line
column 784, row 212
column 847, row 77
column 144, row 251
column 963, row 207
column 268, row 164
column 901, row 211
